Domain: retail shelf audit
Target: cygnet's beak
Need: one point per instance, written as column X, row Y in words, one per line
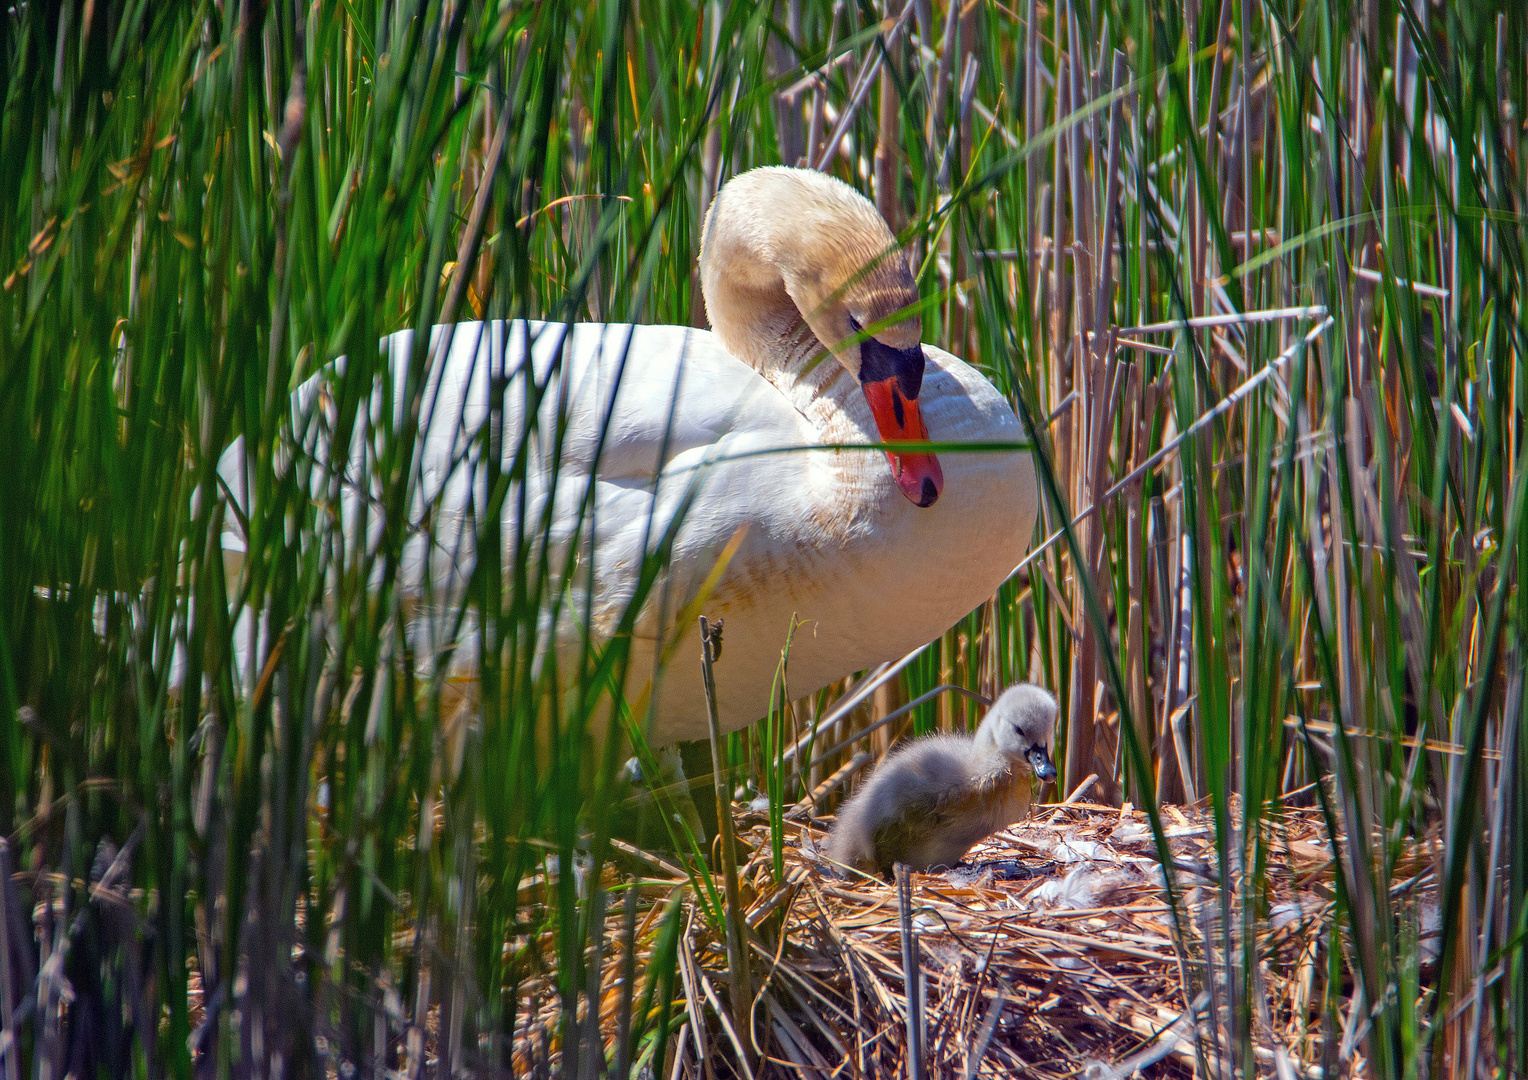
column 891, row 379
column 1040, row 762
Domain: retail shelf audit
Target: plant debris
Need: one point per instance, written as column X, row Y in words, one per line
column 1051, row 952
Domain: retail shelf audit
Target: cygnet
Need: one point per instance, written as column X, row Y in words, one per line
column 927, row 804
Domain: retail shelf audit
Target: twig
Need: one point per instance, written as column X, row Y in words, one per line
column 967, row 93
column 690, row 978
column 813, row 79
column 860, row 89
column 1220, row 409
column 851, row 701
column 814, row 126
column 465, row 251
column 888, row 718
column 648, row 857
column 1418, row 287
column 912, row 975
column 738, row 979
column 678, row 1068
column 1233, row 319
column 728, row 1027
column 1081, row 789
column 1169, row 1039
column 1061, row 408
column 989, row 1026
column 824, row 789
column 1141, row 346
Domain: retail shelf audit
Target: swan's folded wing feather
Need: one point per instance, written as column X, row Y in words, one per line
column 616, row 407
column 632, row 423
column 641, row 396
column 661, row 423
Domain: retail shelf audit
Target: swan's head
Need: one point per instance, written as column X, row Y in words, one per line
column 1021, row 724
column 785, row 244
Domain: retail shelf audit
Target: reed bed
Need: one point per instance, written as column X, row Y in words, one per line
column 1253, row 274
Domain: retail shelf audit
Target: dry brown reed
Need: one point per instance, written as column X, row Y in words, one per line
column 1052, row 952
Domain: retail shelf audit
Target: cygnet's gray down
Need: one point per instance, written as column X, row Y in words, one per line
column 927, row 804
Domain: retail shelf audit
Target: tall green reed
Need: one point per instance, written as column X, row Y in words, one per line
column 212, row 203
column 332, row 858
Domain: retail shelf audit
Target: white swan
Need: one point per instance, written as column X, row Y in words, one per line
column 875, row 552
column 928, row 803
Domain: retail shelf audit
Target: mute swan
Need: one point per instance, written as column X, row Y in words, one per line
column 927, row 804
column 877, row 553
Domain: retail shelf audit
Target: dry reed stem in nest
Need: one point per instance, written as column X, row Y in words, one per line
column 1050, row 952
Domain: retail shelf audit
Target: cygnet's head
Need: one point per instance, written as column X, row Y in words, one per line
column 1022, row 721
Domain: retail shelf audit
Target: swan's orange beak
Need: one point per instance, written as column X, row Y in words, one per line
column 898, row 419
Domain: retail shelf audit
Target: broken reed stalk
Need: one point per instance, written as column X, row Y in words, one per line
column 739, row 983
column 861, row 88
column 912, row 974
column 886, row 151
column 710, row 169
column 894, row 715
column 813, row 802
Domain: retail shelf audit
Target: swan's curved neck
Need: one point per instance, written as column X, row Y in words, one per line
column 747, row 296
column 785, row 251
column 752, row 311
column 788, row 256
column 801, row 369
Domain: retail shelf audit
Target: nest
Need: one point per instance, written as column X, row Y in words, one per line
column 1050, row 952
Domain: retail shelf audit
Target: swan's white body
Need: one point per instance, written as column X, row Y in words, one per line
column 652, row 418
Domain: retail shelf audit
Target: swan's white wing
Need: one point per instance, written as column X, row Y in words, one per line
column 633, row 425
